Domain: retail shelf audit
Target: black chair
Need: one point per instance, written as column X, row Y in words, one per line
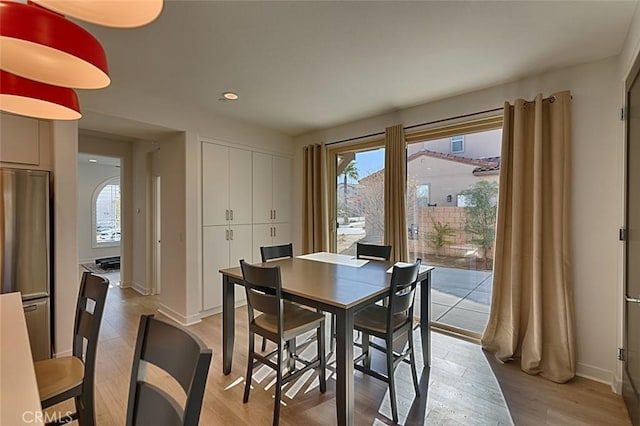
column 281, row 322
column 276, row 252
column 373, row 252
column 387, row 323
column 68, row 377
column 273, row 253
column 364, row 251
column 184, row 357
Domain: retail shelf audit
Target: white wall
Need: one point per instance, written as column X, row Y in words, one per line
column 597, row 144
column 90, row 177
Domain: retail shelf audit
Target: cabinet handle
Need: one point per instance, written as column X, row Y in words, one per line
column 30, row 308
column 231, row 216
column 270, row 214
column 226, row 215
column 231, row 232
column 226, row 234
column 274, row 214
column 274, row 232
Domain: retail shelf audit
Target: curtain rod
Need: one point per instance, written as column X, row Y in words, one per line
column 417, row 125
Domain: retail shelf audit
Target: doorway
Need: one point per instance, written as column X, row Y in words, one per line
column 631, row 375
column 157, row 233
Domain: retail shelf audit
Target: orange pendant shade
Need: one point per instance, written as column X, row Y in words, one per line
column 22, row 96
column 110, row 13
column 41, row 45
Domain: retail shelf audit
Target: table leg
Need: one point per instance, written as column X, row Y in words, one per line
column 345, row 396
column 228, row 323
column 425, row 318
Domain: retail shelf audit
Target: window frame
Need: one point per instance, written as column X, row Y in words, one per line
column 456, row 139
column 94, row 211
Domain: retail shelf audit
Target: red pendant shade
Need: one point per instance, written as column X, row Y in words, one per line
column 34, row 99
column 43, row 46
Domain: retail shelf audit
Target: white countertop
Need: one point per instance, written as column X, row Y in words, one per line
column 19, row 398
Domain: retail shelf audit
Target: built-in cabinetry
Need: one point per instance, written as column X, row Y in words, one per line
column 226, row 216
column 24, row 142
column 246, row 203
column 271, row 201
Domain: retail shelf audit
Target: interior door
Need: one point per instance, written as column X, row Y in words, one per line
column 631, row 379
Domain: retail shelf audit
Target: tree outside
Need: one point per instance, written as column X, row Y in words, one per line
column 349, row 172
column 480, row 221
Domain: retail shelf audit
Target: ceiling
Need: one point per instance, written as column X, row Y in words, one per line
column 300, row 66
column 101, row 160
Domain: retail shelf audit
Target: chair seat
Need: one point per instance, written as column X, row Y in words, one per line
column 296, row 320
column 373, row 319
column 58, row 375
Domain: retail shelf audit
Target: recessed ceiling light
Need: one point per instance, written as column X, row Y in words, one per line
column 230, row 96
column 93, row 160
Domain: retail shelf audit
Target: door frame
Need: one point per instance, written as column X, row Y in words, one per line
column 629, row 394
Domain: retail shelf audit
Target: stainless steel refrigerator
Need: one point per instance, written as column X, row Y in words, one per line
column 25, row 250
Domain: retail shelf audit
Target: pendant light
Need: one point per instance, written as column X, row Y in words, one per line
column 41, row 45
column 22, row 96
column 110, row 13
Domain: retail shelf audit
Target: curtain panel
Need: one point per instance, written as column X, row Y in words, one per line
column 315, row 227
column 395, row 190
column 532, row 312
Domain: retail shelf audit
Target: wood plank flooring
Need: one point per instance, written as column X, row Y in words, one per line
column 465, row 386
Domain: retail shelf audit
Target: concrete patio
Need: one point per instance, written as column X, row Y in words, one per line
column 460, row 298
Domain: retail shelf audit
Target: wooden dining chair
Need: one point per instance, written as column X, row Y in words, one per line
column 387, row 323
column 369, row 252
column 69, row 377
column 281, row 322
column 373, row 251
column 177, row 352
column 276, row 252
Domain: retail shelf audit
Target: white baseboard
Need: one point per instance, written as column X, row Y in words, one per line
column 599, row 375
column 139, row 288
column 62, row 353
column 218, row 309
column 178, row 317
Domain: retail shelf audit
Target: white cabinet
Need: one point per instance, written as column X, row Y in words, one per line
column 222, row 247
column 271, row 188
column 226, row 185
column 267, row 234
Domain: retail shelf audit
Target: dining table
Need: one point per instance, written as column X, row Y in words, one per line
column 337, row 284
column 19, row 397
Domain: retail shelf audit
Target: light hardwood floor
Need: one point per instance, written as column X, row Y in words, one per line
column 465, row 385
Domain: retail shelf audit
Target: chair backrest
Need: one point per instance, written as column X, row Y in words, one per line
column 92, row 297
column 180, row 354
column 276, row 252
column 404, row 280
column 264, row 290
column 373, row 251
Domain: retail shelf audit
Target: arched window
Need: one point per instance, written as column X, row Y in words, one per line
column 106, row 217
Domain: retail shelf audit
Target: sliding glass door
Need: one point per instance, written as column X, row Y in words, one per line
column 357, row 200
column 452, row 190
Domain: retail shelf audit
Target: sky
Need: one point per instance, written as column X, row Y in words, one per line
column 368, row 162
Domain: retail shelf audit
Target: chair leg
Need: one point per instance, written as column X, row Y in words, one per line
column 247, row 385
column 84, row 407
column 365, row 350
column 322, row 373
column 291, row 351
column 264, row 344
column 278, row 395
column 333, row 333
column 414, row 371
column 392, row 385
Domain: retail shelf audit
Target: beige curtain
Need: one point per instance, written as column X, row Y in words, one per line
column 315, row 224
column 532, row 315
column 395, row 188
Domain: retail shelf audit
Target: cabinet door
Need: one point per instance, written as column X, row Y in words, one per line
column 215, row 184
column 282, row 189
column 20, row 138
column 215, row 256
column 262, row 188
column 240, row 198
column 262, row 236
column 240, row 248
column 281, row 233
